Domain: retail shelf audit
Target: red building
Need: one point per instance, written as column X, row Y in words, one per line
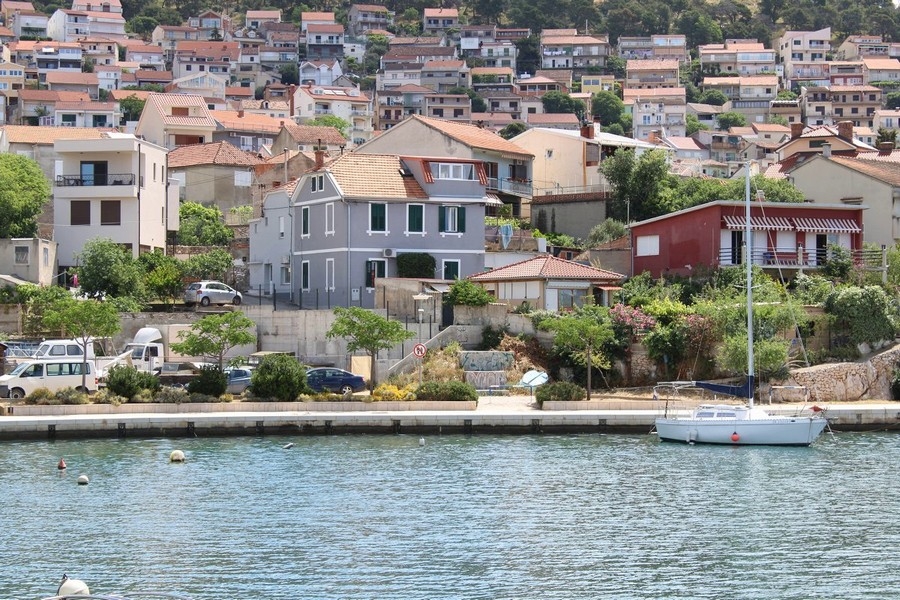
column 785, row 236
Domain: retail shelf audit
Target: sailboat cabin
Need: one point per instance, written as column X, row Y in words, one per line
column 786, row 237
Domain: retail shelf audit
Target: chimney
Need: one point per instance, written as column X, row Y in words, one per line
column 320, row 156
column 587, row 131
column 796, row 130
column 826, row 150
column 241, row 114
column 845, row 130
column 885, row 148
column 653, row 137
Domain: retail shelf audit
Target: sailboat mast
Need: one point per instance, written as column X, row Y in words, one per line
column 749, row 267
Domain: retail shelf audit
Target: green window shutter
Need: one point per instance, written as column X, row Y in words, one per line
column 461, row 219
column 442, row 219
column 415, row 218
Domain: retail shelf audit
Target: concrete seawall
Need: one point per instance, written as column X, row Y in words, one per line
column 510, row 415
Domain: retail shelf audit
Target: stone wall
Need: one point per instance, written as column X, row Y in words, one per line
column 849, row 382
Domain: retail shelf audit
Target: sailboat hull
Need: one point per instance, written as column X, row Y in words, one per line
column 769, row 431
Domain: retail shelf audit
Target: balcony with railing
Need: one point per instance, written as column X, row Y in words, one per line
column 870, row 259
column 515, row 187
column 113, row 185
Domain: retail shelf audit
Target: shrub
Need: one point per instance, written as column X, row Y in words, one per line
column 385, row 392
column 491, row 338
column 210, row 381
column 128, row 381
column 279, row 377
column 171, row 395
column 560, row 391
column 41, row 396
column 415, row 265
column 107, row 396
column 468, row 293
column 449, row 391
column 71, row 396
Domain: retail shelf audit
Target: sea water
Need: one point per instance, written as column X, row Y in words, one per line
column 481, row 517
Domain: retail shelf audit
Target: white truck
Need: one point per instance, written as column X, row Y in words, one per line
column 100, row 355
column 151, row 347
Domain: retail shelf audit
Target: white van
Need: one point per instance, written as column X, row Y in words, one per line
column 51, row 374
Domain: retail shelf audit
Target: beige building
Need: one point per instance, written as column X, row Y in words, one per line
column 217, row 174
column 651, row 74
column 12, row 79
column 30, row 259
column 172, row 120
column 114, row 187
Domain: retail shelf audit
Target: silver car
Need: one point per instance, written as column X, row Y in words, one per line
column 211, row 292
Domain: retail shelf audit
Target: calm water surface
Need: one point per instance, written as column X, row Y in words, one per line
column 381, row 517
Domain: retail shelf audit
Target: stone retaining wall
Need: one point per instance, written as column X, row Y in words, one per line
column 850, row 382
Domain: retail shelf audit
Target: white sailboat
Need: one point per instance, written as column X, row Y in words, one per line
column 746, row 424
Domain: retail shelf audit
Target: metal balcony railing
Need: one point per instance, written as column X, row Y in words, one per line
column 871, row 259
column 95, row 180
column 517, row 187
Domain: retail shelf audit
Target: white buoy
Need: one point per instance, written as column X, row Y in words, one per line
column 288, row 446
column 72, row 587
column 176, row 456
column 83, row 479
column 421, row 441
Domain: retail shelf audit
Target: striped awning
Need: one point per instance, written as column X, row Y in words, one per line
column 827, row 225
column 759, row 223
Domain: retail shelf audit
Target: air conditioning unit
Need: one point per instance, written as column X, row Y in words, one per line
column 389, row 253
column 286, row 259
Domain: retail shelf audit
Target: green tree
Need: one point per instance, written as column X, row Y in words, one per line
column 478, row 103
column 23, row 192
column 714, row 97
column 376, row 47
column 214, row 335
column 615, row 66
column 608, row 230
column 342, row 125
column 693, row 124
column 887, row 135
column 87, row 65
column 83, row 320
column 529, row 54
column 779, row 120
column 367, row 331
column 106, row 269
column 202, row 226
column 892, row 100
column 698, row 28
column 582, row 336
column 608, row 107
column 558, row 102
column 637, row 184
column 39, row 301
column 727, row 120
column 208, row 265
column 290, row 74
column 163, row 277
column 513, row 129
column 786, row 95
column 132, row 107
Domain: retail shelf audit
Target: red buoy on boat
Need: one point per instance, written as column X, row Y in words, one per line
column 735, row 437
column 61, row 465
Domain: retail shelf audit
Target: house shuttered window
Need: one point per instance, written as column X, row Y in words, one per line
column 452, row 219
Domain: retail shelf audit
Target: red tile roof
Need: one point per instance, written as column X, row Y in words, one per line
column 471, row 135
column 216, row 153
column 383, row 177
column 547, row 267
column 309, row 134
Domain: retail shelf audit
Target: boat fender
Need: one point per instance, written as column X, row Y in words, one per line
column 83, row 479
column 735, row 437
column 176, row 456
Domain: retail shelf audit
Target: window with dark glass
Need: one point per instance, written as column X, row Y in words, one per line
column 111, row 212
column 80, row 212
column 377, row 217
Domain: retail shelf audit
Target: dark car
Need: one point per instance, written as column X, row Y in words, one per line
column 339, row 381
column 238, row 379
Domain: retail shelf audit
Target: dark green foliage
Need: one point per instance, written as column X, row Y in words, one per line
column 560, row 391
column 491, row 338
column 417, row 265
column 447, row 391
column 210, row 381
column 863, row 313
column 279, row 377
column 838, row 264
column 466, row 293
column 513, row 129
column 127, row 381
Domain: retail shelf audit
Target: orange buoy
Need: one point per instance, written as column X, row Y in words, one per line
column 735, row 437
column 61, row 465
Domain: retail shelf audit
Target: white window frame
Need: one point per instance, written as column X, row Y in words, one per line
column 386, row 230
column 453, row 171
column 317, row 183
column 304, row 222
column 281, row 227
column 329, row 274
column 408, row 231
column 647, row 245
column 445, row 262
column 285, row 275
column 304, row 270
column 383, row 262
column 329, row 218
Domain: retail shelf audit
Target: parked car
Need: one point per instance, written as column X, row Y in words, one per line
column 329, row 379
column 238, row 379
column 211, row 292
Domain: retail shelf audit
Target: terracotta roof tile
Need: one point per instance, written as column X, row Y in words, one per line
column 24, row 134
column 547, row 267
column 66, row 78
column 888, row 172
column 472, row 135
column 383, row 178
column 651, row 64
column 310, row 134
column 215, row 153
column 119, row 95
column 230, row 119
column 26, row 95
